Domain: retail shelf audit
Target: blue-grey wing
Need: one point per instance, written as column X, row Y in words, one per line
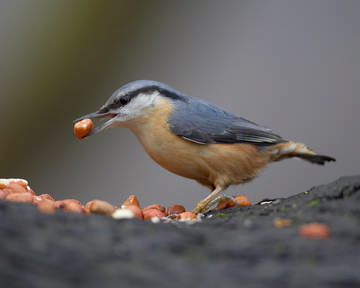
column 202, row 122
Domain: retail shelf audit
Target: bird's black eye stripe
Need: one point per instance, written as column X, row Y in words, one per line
column 119, row 101
column 122, row 101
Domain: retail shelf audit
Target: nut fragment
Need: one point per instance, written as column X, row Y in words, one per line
column 131, row 200
column 4, row 182
column 123, row 214
column 227, row 203
column 156, row 206
column 242, row 200
column 175, row 209
column 3, row 193
column 70, row 205
column 36, row 199
column 20, row 197
column 186, row 216
column 315, row 230
column 83, row 128
column 66, row 201
column 152, row 212
column 136, row 211
column 47, row 197
column 100, row 207
column 46, row 206
column 282, row 222
column 155, row 220
column 15, row 187
column 31, row 191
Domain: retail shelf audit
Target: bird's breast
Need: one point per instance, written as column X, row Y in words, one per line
column 175, row 154
column 166, row 148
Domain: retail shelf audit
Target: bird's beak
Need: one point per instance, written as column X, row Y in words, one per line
column 101, row 127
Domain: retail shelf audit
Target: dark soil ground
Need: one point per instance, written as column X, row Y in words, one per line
column 237, row 247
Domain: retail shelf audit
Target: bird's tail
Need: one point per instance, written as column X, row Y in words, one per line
column 292, row 149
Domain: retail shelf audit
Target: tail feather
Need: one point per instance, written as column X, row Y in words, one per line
column 291, row 149
column 316, row 159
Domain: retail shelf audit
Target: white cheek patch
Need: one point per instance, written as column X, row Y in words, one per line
column 140, row 105
column 137, row 107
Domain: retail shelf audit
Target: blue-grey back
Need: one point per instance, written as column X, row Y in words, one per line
column 203, row 122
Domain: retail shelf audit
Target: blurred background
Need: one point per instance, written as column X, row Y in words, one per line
column 292, row 66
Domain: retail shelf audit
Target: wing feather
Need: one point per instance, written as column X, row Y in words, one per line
column 202, row 122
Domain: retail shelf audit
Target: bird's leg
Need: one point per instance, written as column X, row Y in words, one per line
column 204, row 204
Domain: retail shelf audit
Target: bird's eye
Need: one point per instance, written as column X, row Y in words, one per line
column 124, row 100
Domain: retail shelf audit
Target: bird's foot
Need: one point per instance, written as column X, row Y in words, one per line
column 206, row 206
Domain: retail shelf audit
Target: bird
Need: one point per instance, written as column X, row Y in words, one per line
column 196, row 139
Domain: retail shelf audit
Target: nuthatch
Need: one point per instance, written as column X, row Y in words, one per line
column 196, row 139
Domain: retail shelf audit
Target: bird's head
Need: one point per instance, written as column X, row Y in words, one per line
column 133, row 100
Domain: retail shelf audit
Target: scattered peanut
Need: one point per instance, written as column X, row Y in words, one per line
column 20, row 197
column 136, row 210
column 4, row 182
column 83, row 128
column 131, row 200
column 175, row 209
column 186, row 216
column 36, row 199
column 122, row 213
column 3, row 193
column 47, row 197
column 242, row 200
column 152, row 212
column 315, row 230
column 46, row 206
column 70, row 205
column 156, row 206
column 31, row 191
column 99, row 207
column 227, row 203
column 282, row 222
column 18, row 190
column 67, row 201
column 15, row 187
